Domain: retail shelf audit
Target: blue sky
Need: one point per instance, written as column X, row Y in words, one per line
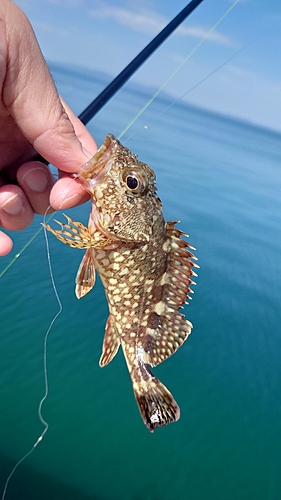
column 106, row 35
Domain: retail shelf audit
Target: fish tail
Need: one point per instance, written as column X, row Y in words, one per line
column 156, row 404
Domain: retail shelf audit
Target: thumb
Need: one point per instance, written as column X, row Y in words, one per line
column 31, row 97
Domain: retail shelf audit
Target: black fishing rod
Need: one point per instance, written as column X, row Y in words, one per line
column 132, row 67
column 135, row 64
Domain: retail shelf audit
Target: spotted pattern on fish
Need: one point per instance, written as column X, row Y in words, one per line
column 145, row 266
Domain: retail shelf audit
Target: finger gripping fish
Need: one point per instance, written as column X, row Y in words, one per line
column 144, row 265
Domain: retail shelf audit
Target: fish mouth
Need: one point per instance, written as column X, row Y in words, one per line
column 92, row 172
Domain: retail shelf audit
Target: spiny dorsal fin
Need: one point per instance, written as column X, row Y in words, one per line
column 86, row 275
column 167, row 328
column 180, row 268
column 111, row 343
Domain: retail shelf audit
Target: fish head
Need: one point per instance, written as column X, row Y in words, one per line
column 125, row 205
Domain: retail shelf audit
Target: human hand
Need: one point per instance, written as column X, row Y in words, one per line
column 33, row 119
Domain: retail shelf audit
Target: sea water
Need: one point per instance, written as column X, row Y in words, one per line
column 222, row 180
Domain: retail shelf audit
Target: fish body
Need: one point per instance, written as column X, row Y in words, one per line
column 144, row 265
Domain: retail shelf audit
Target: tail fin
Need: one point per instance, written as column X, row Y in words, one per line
column 156, row 404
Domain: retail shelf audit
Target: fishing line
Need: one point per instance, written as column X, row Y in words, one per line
column 136, row 63
column 16, row 466
column 191, row 53
column 36, row 233
column 204, row 79
column 45, row 366
column 23, row 249
column 143, row 109
column 43, row 421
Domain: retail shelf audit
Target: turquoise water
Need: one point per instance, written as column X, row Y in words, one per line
column 222, row 179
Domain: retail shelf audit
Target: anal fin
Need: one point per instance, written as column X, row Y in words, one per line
column 86, row 275
column 111, row 343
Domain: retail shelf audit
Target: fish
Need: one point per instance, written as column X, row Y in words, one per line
column 146, row 268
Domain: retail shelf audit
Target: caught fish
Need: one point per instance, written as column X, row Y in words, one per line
column 144, row 265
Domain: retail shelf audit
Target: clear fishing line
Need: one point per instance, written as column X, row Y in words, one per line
column 23, row 248
column 191, row 53
column 148, row 103
column 45, row 366
column 209, row 75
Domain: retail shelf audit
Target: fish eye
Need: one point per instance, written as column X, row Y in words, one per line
column 135, row 181
column 132, row 182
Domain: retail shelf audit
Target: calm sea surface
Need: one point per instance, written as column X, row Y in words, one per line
column 222, row 179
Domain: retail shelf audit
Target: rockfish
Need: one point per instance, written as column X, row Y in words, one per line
column 144, row 265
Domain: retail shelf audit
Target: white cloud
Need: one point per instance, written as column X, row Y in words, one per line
column 71, row 3
column 139, row 21
column 150, row 23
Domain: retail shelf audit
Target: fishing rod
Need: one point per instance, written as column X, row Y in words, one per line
column 118, row 82
column 135, row 64
column 85, row 117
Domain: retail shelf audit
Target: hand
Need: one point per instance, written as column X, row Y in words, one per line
column 33, row 119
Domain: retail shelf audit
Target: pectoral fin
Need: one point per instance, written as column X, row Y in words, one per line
column 86, row 275
column 111, row 343
column 76, row 235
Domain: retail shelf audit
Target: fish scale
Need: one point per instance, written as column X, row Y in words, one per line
column 146, row 268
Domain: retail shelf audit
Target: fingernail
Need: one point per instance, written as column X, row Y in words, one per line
column 13, row 205
column 36, row 180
